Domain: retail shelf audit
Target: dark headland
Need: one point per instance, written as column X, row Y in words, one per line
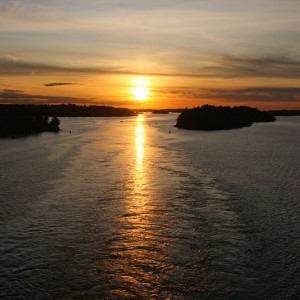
column 210, row 117
column 20, row 120
column 14, row 125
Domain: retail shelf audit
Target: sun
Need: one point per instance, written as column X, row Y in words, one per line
column 140, row 91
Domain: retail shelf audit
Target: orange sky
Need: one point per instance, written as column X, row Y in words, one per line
column 176, row 53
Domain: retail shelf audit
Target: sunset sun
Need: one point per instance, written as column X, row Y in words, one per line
column 140, row 91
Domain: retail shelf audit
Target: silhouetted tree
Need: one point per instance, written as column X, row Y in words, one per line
column 54, row 124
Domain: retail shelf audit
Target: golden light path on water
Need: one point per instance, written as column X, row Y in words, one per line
column 140, row 148
column 140, row 255
column 138, row 206
column 128, row 251
column 153, row 247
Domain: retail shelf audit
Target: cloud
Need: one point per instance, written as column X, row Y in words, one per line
column 267, row 66
column 17, row 15
column 256, row 94
column 11, row 57
column 60, row 83
column 11, row 67
column 11, row 91
column 219, row 66
column 260, row 94
column 19, row 97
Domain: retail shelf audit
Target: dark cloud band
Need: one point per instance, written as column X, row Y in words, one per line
column 255, row 94
column 19, row 97
column 221, row 67
column 59, row 84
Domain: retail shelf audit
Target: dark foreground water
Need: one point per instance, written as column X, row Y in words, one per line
column 123, row 209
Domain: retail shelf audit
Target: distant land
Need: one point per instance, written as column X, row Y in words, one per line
column 160, row 112
column 66, row 110
column 20, row 120
column 209, row 117
column 170, row 110
column 284, row 112
column 281, row 112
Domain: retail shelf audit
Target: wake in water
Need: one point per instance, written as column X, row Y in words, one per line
column 127, row 210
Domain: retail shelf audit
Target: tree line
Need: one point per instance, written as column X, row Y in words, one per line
column 209, row 117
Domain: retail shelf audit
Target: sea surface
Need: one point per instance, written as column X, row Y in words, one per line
column 134, row 208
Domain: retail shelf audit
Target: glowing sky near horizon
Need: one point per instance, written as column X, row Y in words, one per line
column 231, row 52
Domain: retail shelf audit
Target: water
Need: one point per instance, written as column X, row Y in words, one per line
column 123, row 209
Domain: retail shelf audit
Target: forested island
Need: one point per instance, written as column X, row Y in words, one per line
column 209, row 117
column 19, row 120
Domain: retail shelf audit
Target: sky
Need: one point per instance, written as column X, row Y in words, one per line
column 151, row 54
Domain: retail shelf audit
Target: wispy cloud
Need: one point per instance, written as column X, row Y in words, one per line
column 219, row 66
column 59, row 84
column 12, row 67
column 267, row 66
column 11, row 91
column 255, row 94
column 16, row 15
column 20, row 97
column 260, row 94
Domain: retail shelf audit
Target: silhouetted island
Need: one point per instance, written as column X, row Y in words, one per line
column 18, row 120
column 210, row 117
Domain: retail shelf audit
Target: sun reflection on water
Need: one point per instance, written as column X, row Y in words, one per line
column 140, row 253
column 139, row 176
column 139, row 142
